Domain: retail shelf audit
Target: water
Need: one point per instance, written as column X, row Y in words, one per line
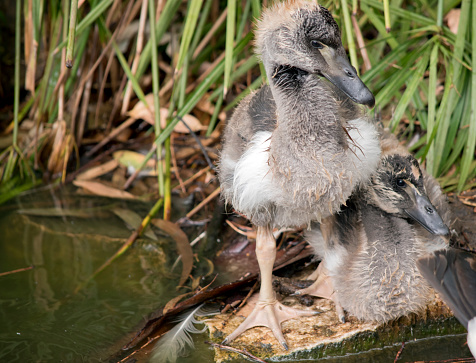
column 43, row 320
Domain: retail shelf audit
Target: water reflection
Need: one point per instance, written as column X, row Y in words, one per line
column 41, row 318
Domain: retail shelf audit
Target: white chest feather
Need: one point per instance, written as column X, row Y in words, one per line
column 253, row 185
column 472, row 336
column 364, row 147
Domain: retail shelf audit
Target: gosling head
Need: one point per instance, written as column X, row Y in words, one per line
column 397, row 188
column 303, row 36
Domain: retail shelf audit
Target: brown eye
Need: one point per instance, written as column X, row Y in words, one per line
column 400, row 183
column 316, row 44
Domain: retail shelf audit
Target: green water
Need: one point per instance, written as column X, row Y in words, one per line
column 40, row 317
column 43, row 320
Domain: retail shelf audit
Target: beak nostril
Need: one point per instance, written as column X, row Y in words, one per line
column 429, row 210
column 349, row 73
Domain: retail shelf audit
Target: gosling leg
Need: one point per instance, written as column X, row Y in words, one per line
column 268, row 311
column 323, row 287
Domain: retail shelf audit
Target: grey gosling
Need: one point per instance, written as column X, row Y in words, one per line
column 452, row 273
column 369, row 250
column 294, row 150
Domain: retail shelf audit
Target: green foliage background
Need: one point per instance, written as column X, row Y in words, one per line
column 421, row 73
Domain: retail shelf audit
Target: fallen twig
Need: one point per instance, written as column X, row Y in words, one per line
column 15, row 271
column 399, row 353
column 194, row 135
column 251, row 292
column 193, row 178
column 243, row 352
column 243, row 230
column 203, row 203
column 126, row 359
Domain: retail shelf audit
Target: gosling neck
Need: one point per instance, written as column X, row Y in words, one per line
column 306, row 105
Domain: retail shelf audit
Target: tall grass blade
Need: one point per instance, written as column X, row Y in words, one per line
column 244, row 20
column 412, row 86
column 134, row 79
column 468, row 154
column 441, row 138
column 432, row 96
column 350, row 35
column 396, row 81
column 439, row 12
column 230, row 38
column 72, row 33
column 166, row 17
column 189, row 29
column 215, row 114
column 155, row 90
column 16, row 97
column 256, row 12
column 386, row 11
column 199, row 30
column 379, row 25
column 403, row 13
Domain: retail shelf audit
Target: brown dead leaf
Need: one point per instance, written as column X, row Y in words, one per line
column 132, row 158
column 6, row 141
column 102, row 190
column 206, row 106
column 119, row 177
column 196, row 282
column 190, row 120
column 62, row 144
column 98, row 170
column 183, row 245
column 186, row 152
column 452, row 19
column 171, row 304
column 140, row 111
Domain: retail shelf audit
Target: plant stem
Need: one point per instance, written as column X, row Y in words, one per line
column 155, row 90
column 72, row 33
column 16, row 100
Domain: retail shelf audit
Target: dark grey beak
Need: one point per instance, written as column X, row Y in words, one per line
column 425, row 213
column 344, row 76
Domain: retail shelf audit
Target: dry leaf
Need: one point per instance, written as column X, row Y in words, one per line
column 6, row 141
column 206, row 106
column 61, row 147
column 131, row 158
column 140, row 111
column 103, row 190
column 132, row 161
column 171, row 304
column 186, row 152
column 183, row 245
column 98, row 170
column 452, row 19
column 133, row 221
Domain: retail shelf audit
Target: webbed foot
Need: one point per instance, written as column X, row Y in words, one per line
column 270, row 315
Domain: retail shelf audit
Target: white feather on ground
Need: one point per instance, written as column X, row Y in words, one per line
column 175, row 342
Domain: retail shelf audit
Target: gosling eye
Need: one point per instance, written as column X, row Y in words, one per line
column 316, row 44
column 401, row 183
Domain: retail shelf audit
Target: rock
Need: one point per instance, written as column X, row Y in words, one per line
column 322, row 335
